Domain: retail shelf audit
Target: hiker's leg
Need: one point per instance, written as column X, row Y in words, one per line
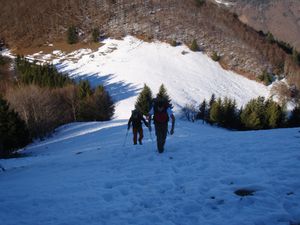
column 159, row 137
column 164, row 131
column 141, row 135
column 135, row 132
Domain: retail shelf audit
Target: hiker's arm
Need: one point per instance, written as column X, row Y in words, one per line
column 145, row 122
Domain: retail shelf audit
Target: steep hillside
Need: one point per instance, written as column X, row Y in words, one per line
column 123, row 66
column 281, row 17
column 216, row 30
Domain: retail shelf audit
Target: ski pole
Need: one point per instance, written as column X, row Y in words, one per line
column 125, row 138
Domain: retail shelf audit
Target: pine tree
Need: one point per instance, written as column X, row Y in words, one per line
column 13, row 132
column 253, row 115
column 212, row 100
column 163, row 95
column 144, row 100
column 216, row 114
column 266, row 77
column 72, row 35
column 294, row 120
column 85, row 89
column 95, row 35
column 274, row 114
column 202, row 114
column 215, row 56
column 229, row 117
column 194, row 46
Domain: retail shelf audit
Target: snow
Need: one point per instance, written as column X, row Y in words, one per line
column 123, row 66
column 222, row 2
column 84, row 175
column 90, row 173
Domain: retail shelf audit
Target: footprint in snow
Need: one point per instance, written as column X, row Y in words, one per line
column 107, row 197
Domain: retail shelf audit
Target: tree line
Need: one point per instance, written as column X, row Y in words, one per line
column 257, row 114
column 40, row 99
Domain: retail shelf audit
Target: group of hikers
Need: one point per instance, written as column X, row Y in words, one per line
column 160, row 113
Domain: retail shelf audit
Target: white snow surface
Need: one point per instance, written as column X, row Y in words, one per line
column 90, row 173
column 226, row 3
column 123, row 66
column 84, row 175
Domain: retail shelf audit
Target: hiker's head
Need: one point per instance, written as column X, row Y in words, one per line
column 135, row 113
column 160, row 104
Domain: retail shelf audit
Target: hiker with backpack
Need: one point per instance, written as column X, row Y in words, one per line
column 161, row 112
column 136, row 121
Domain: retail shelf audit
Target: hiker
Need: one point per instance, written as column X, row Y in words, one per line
column 136, row 121
column 161, row 112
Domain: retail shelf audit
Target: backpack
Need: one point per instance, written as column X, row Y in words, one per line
column 161, row 113
column 136, row 118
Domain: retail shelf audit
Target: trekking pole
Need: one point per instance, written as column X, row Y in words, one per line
column 125, row 138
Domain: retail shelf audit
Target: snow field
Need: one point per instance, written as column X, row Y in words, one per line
column 123, row 66
column 83, row 175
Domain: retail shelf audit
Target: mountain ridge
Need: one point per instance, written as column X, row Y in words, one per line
column 215, row 29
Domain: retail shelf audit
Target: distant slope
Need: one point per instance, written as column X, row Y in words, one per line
column 125, row 65
column 281, row 17
column 215, row 29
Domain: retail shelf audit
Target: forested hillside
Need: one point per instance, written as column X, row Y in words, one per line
column 216, row 30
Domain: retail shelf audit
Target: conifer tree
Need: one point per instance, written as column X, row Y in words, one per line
column 294, row 120
column 144, row 100
column 215, row 115
column 229, row 110
column 163, row 95
column 215, row 56
column 202, row 114
column 13, row 132
column 95, row 35
column 85, row 89
column 274, row 114
column 72, row 35
column 212, row 100
column 194, row 46
column 253, row 115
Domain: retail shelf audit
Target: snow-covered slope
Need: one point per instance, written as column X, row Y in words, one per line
column 125, row 65
column 89, row 173
column 84, row 175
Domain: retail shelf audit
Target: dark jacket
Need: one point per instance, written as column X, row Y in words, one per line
column 136, row 120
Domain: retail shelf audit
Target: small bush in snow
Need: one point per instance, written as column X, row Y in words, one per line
column 194, row 46
column 215, row 56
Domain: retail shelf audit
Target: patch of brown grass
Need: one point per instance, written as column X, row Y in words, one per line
column 62, row 46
